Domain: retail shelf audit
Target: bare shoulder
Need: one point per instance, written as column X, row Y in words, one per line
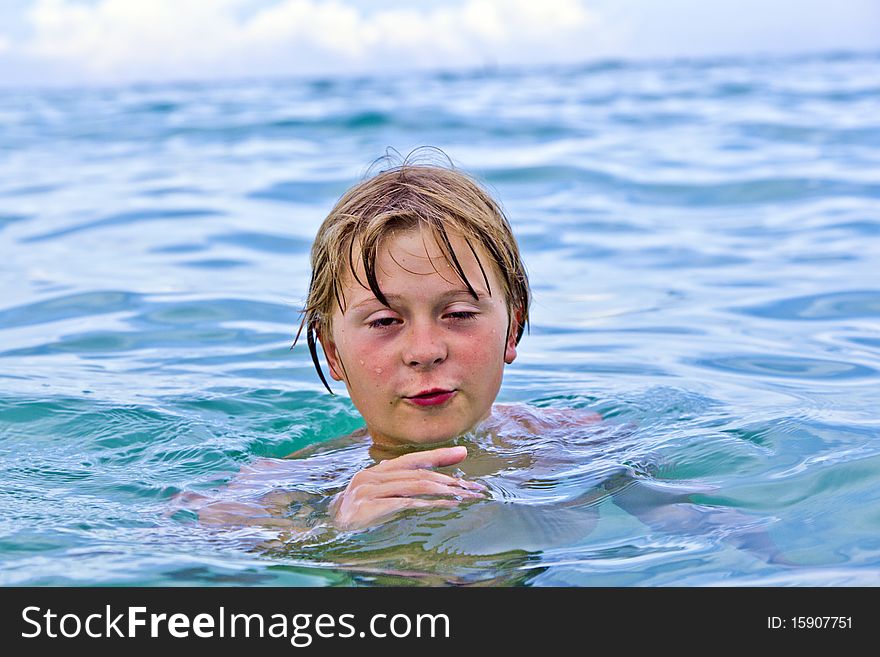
column 573, row 417
column 535, row 418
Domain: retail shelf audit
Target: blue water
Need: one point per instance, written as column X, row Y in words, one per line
column 703, row 240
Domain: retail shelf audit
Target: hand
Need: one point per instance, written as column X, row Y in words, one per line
column 396, row 484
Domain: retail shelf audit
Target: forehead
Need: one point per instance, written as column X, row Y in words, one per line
column 415, row 256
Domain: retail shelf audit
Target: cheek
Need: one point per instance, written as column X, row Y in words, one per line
column 483, row 349
column 368, row 360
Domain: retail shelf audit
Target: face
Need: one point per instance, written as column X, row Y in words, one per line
column 428, row 368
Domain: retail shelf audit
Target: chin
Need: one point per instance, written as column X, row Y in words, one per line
column 436, row 435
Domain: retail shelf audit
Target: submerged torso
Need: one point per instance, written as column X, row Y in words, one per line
column 548, row 473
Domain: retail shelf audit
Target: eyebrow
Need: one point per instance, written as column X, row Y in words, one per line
column 443, row 297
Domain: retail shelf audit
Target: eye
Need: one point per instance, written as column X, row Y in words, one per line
column 462, row 314
column 382, row 322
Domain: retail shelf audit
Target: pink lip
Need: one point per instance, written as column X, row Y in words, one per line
column 433, row 397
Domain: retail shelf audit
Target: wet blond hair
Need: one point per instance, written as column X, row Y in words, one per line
column 406, row 196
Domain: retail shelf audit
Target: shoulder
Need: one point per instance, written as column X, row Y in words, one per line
column 534, row 418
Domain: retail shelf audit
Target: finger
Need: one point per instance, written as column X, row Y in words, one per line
column 425, row 475
column 434, row 458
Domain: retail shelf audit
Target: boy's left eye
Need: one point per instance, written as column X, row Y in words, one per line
column 462, row 314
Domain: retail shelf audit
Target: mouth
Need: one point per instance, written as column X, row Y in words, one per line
column 432, row 397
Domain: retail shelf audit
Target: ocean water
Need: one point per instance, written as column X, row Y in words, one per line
column 703, row 241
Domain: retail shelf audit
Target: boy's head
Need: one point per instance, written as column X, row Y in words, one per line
column 418, row 296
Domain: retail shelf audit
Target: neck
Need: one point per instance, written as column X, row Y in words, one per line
column 382, row 449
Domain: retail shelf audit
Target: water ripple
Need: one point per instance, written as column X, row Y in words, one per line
column 787, row 367
column 830, row 306
column 125, row 219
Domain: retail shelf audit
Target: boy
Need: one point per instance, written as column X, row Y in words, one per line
column 419, row 298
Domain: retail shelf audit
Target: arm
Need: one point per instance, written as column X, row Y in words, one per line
column 673, row 512
column 255, row 498
column 372, row 496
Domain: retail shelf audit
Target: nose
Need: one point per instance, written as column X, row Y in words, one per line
column 425, row 345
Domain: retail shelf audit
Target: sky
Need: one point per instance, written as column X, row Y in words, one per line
column 100, row 42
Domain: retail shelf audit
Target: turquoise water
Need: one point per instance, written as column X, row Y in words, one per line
column 703, row 240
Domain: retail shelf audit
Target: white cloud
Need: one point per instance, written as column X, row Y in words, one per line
column 100, row 41
column 120, row 39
